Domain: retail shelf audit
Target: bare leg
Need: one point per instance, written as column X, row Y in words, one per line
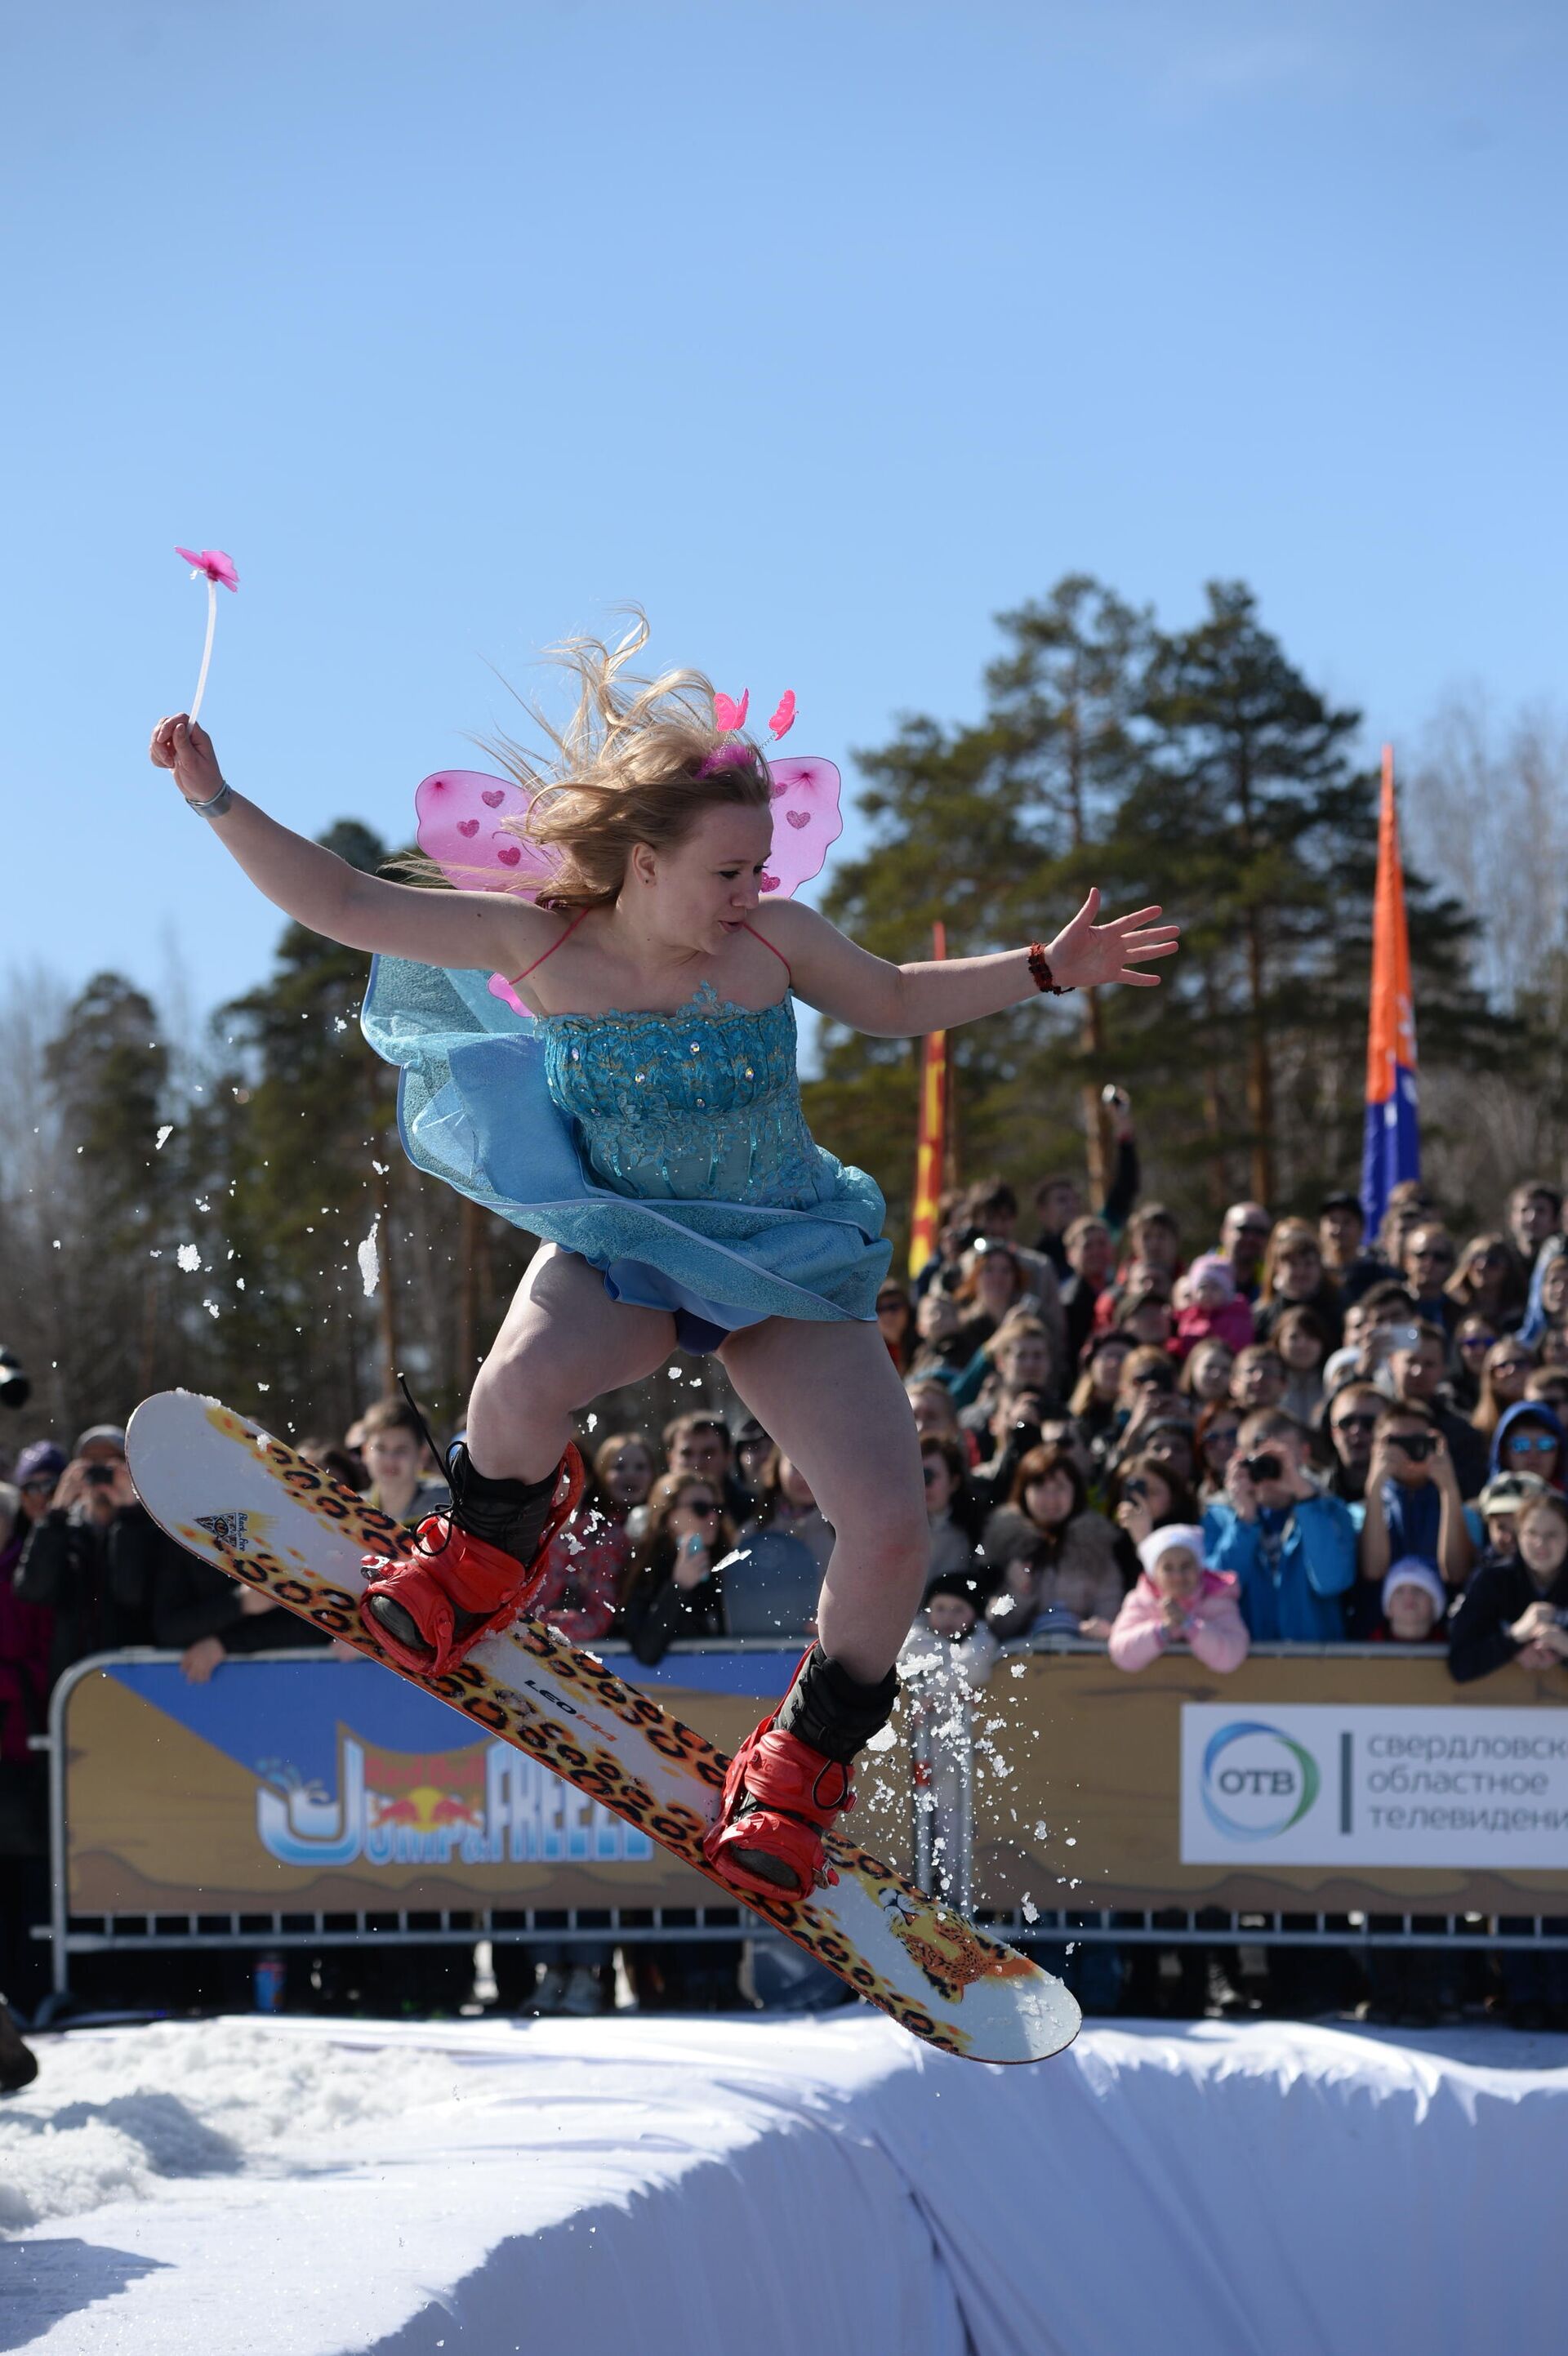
column 832, row 1398
column 563, row 1343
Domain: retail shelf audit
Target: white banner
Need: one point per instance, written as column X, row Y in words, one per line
column 1320, row 1785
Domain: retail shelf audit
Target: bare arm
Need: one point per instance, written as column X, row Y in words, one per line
column 490, row 931
column 833, row 974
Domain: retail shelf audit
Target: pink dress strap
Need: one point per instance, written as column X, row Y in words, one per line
column 768, row 945
column 554, row 945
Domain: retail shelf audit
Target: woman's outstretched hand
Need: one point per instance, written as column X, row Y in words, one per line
column 187, row 751
column 1084, row 953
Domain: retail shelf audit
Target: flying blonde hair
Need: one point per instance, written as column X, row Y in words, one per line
column 635, row 762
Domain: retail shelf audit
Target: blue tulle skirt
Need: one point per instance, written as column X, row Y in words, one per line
column 474, row 1108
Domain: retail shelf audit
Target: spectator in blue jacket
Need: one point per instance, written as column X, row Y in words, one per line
column 1291, row 1546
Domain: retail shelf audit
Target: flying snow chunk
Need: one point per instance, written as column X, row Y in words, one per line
column 190, row 1257
column 162, row 1138
column 1030, row 1911
column 883, row 1739
column 370, row 1263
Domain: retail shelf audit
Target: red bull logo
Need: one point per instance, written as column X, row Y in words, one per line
column 483, row 1805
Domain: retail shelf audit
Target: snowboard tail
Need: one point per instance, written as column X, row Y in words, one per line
column 249, row 1504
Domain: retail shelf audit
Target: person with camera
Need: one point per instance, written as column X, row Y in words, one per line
column 1418, row 1376
column 86, row 1559
column 1412, row 1506
column 1290, row 1543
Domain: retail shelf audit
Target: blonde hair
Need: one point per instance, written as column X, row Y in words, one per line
column 626, row 768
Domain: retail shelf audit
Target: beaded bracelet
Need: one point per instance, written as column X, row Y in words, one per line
column 1040, row 971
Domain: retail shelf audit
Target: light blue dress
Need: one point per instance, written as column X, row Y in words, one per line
column 669, row 1150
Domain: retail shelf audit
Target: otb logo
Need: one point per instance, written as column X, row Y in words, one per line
column 1256, row 1781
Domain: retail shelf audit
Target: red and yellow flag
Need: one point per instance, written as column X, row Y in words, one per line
column 930, row 1151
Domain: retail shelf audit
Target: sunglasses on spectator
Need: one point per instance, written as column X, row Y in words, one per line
column 700, row 1506
column 1477, row 1341
column 1437, row 1256
column 1356, row 1423
column 41, row 1488
column 1532, row 1443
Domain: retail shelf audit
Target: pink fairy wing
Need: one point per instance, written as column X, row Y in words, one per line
column 806, row 822
column 460, row 812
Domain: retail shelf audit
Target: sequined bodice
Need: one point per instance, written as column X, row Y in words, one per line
column 703, row 1104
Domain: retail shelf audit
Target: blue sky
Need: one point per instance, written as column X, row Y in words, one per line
column 825, row 331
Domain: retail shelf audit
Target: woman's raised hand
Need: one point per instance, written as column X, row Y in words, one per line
column 187, row 750
column 1084, row 953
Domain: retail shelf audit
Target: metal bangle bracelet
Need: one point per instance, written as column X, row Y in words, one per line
column 216, row 805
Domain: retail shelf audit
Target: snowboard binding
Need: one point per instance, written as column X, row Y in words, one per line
column 427, row 1610
column 790, row 1781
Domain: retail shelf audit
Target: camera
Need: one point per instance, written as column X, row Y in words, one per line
column 1135, row 1488
column 1266, row 1467
column 1417, row 1445
column 15, row 1389
column 100, row 1476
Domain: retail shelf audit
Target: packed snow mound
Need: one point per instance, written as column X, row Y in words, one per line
column 110, row 2114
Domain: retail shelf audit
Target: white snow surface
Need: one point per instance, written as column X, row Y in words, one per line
column 746, row 2187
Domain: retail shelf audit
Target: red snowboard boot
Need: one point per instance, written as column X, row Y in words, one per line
column 429, row 1609
column 791, row 1778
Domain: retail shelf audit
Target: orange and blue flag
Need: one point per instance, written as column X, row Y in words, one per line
column 1392, row 1149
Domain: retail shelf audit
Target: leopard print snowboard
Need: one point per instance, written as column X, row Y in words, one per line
column 247, row 1503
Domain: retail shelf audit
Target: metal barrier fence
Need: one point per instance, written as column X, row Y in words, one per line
column 169, row 1827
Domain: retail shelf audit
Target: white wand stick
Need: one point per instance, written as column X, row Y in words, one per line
column 217, row 567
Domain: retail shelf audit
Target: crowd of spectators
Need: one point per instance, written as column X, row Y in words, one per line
column 1288, row 1432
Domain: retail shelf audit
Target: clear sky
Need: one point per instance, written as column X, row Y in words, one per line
column 824, row 330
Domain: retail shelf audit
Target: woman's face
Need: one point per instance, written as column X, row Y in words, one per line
column 1159, row 1246
column 1555, row 1346
column 36, row 1495
column 1156, row 1493
column 1107, row 1369
column 695, row 1512
column 937, row 1479
column 1486, row 1265
column 1220, row 1445
column 1473, row 1340
column 1299, row 1271
column 996, row 1281
column 1048, row 1502
column 1508, row 1368
column 1554, row 1286
column 1178, row 1574
column 1026, row 1363
column 1301, row 1350
column 629, row 1475
column 1210, row 1365
column 1531, row 1448
column 937, row 1316
column 893, row 1315
column 1543, row 1543
column 700, row 892
column 1172, row 1448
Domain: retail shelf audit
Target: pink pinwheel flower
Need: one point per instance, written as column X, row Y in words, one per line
column 213, row 562
column 728, row 715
